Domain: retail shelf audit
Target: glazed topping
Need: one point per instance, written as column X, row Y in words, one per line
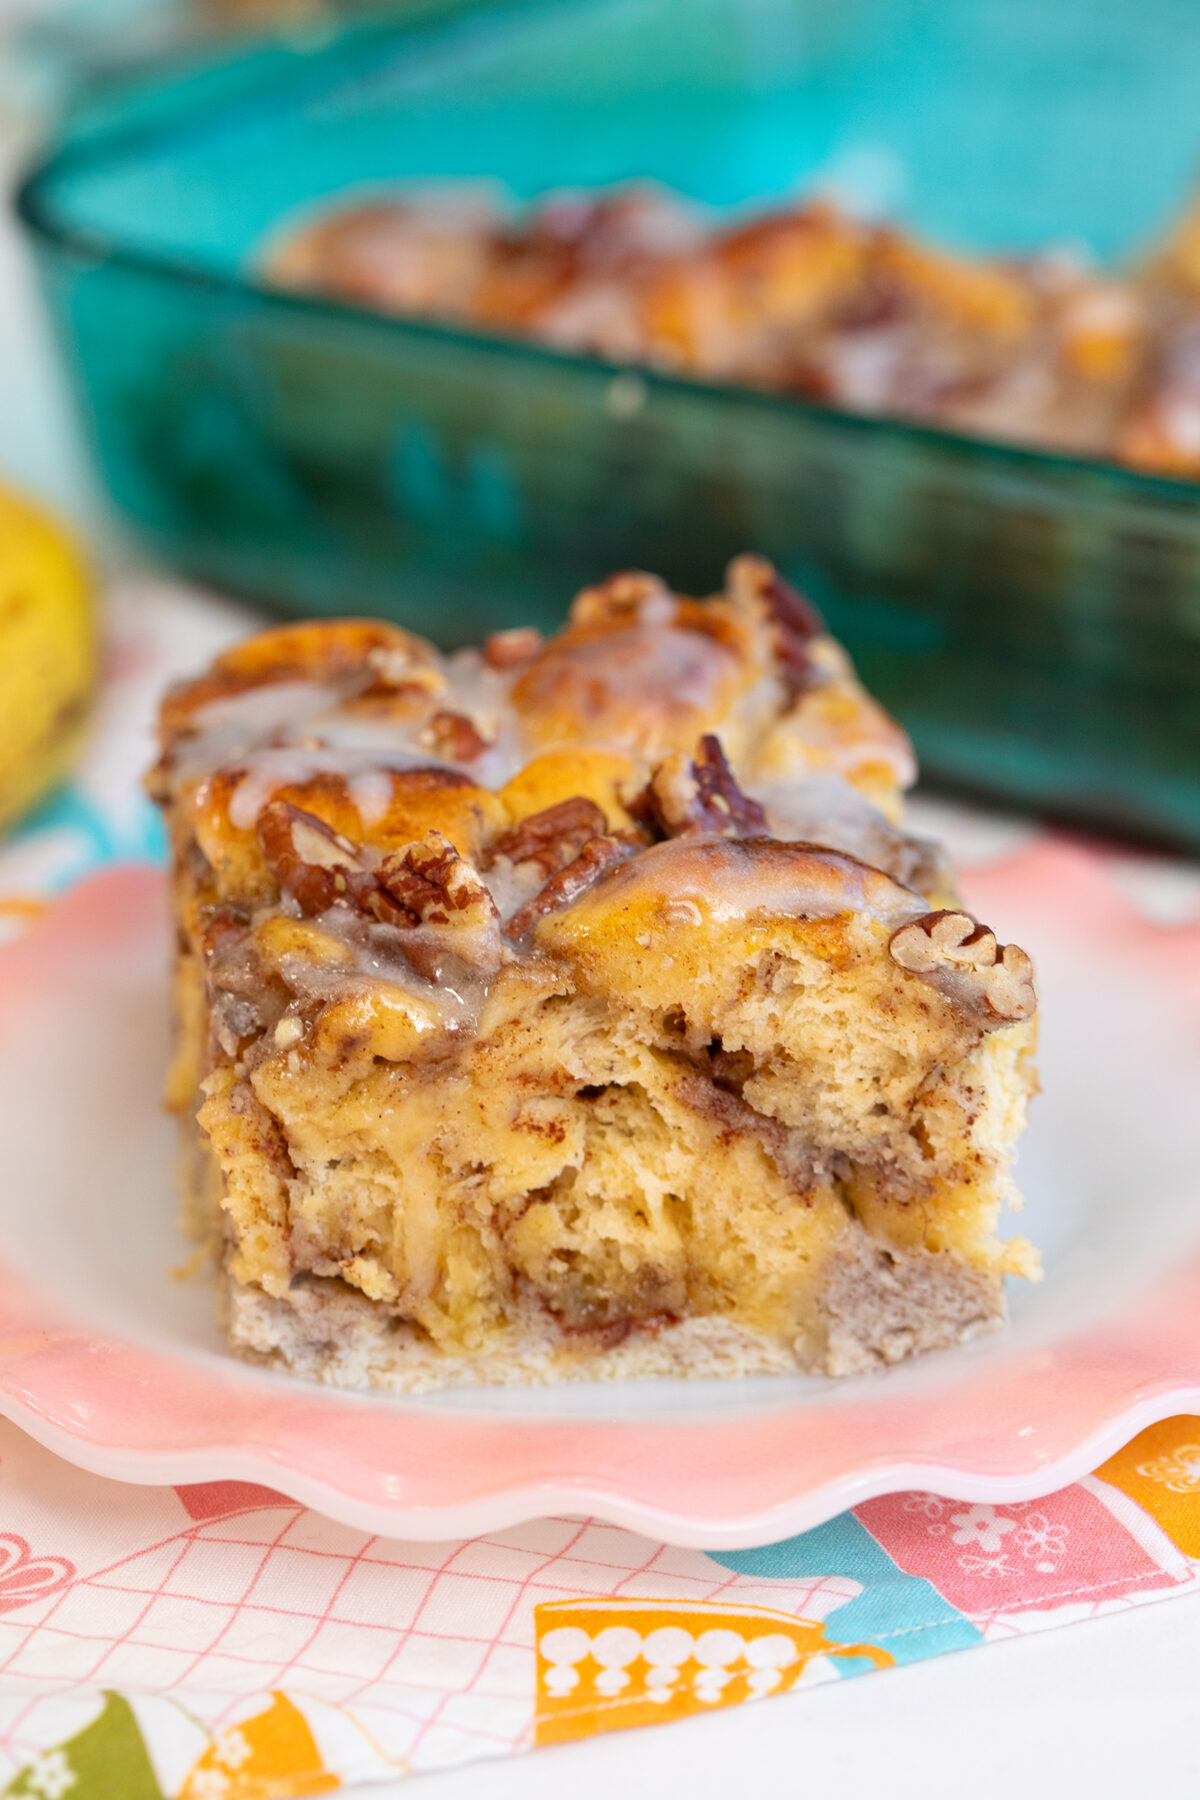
column 721, row 881
column 646, row 675
column 637, row 671
column 369, row 811
column 367, row 779
column 826, row 809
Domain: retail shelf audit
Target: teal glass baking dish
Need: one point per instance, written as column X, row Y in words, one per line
column 1034, row 620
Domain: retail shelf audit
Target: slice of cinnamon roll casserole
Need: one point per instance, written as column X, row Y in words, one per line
column 579, row 1007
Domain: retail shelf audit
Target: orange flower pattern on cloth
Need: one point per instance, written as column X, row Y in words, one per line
column 1160, row 1469
column 270, row 1756
column 607, row 1664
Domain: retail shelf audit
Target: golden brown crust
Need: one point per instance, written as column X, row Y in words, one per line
column 365, row 656
column 637, row 667
column 637, row 673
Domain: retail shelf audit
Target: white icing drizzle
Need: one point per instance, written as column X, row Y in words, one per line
column 289, row 766
column 286, row 732
column 227, row 730
column 485, row 697
column 277, row 705
column 475, row 689
column 512, row 884
column 825, row 808
column 376, row 958
column 724, row 880
column 667, row 665
column 371, row 792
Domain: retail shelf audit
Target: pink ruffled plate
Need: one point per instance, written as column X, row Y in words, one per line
column 116, row 1364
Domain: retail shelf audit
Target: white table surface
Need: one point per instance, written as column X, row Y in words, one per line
column 1106, row 1708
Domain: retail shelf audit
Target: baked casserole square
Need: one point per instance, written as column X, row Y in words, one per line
column 580, row 1007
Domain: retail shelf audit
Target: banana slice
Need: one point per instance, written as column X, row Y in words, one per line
column 47, row 653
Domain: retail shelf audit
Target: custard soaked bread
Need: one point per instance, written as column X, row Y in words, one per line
column 580, row 1008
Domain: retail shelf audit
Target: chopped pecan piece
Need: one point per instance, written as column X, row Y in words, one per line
column 685, row 796
column 554, row 837
column 426, row 884
column 436, row 893
column 433, row 883
column 595, row 859
column 313, row 864
column 506, row 650
column 952, row 952
column 454, row 735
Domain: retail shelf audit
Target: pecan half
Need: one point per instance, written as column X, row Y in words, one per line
column 553, row 837
column 595, row 859
column 506, row 650
column 454, row 735
column 954, row 953
column 314, row 865
column 685, row 796
column 794, row 620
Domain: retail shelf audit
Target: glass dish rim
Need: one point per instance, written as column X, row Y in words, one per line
column 34, row 206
